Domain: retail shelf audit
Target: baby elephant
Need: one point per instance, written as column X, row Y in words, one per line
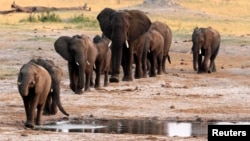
column 103, row 59
column 53, row 100
column 34, row 83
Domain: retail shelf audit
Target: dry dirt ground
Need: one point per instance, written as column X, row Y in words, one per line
column 182, row 94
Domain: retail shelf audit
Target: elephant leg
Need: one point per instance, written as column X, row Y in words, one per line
column 87, row 82
column 106, row 74
column 206, row 60
column 39, row 114
column 159, row 62
column 32, row 111
column 72, row 76
column 144, row 65
column 200, row 64
column 47, row 107
column 53, row 106
column 212, row 67
column 138, row 67
column 26, row 102
column 153, row 65
column 91, row 81
column 98, row 74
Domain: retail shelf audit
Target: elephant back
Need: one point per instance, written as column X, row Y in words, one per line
column 61, row 46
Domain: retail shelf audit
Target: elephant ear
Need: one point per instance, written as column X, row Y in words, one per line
column 61, row 46
column 104, row 21
column 208, row 37
column 139, row 23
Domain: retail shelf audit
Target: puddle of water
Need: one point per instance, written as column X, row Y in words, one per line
column 149, row 127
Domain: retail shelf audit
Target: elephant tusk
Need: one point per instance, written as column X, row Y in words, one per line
column 110, row 43
column 94, row 66
column 127, row 45
column 51, row 90
column 199, row 51
column 77, row 63
column 19, row 83
column 88, row 62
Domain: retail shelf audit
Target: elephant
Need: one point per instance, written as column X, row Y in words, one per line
column 53, row 99
column 81, row 53
column 103, row 59
column 166, row 32
column 155, row 49
column 34, row 84
column 122, row 27
column 206, row 42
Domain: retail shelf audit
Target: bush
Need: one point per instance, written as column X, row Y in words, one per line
column 49, row 17
column 43, row 17
column 86, row 21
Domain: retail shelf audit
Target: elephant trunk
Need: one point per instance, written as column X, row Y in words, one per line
column 23, row 85
column 116, row 57
column 56, row 98
column 195, row 60
column 81, row 73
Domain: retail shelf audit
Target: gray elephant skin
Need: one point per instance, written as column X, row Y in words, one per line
column 34, row 84
column 53, row 100
column 206, row 42
column 103, row 59
column 80, row 52
column 166, row 33
column 122, row 27
column 155, row 49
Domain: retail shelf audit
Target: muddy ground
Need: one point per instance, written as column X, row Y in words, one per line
column 181, row 94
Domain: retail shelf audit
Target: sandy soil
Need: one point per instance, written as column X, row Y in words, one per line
column 182, row 94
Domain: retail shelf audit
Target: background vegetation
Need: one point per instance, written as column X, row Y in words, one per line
column 230, row 17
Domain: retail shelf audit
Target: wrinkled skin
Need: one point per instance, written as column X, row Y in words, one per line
column 155, row 48
column 140, row 51
column 103, row 59
column 53, row 100
column 80, row 52
column 166, row 33
column 34, row 83
column 122, row 28
column 206, row 42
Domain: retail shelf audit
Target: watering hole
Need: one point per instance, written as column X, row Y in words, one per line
column 125, row 126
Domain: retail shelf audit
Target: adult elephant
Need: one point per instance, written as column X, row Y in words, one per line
column 53, row 100
column 80, row 52
column 122, row 27
column 206, row 42
column 103, row 59
column 166, row 33
column 34, row 83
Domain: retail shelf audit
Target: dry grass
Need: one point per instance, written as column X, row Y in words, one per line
column 228, row 16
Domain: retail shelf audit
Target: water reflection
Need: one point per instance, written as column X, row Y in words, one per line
column 149, row 127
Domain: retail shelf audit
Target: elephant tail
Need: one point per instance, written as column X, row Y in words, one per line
column 169, row 60
column 62, row 110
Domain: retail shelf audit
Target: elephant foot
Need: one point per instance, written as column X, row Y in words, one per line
column 127, row 78
column 97, row 86
column 114, row 79
column 29, row 125
column 153, row 75
column 87, row 89
column 137, row 76
column 79, row 92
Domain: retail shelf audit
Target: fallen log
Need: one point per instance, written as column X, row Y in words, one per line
column 31, row 9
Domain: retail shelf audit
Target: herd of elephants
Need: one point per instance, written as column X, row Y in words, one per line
column 129, row 37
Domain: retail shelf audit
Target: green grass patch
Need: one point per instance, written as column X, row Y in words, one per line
column 42, row 17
